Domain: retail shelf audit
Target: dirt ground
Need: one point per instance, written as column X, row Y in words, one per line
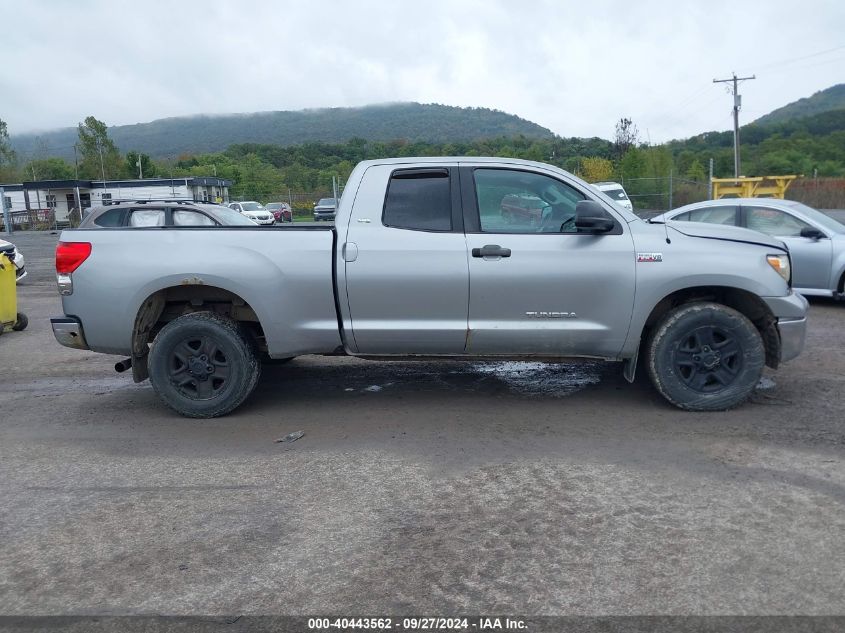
column 417, row 488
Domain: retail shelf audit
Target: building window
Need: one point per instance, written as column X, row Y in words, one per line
column 85, row 199
column 51, row 201
column 8, row 201
column 106, row 198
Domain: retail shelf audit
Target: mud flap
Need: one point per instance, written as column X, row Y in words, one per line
column 140, row 372
column 629, row 369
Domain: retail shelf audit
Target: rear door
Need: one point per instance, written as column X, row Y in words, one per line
column 537, row 286
column 407, row 278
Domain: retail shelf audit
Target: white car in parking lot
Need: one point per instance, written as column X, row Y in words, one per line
column 615, row 192
column 9, row 250
column 255, row 211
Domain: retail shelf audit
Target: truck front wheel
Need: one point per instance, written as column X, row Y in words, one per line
column 705, row 357
column 202, row 366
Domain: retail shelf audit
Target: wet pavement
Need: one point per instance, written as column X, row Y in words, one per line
column 437, row 487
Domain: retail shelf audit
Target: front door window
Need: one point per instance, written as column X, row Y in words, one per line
column 511, row 201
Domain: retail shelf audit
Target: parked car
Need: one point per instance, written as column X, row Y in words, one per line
column 162, row 213
column 413, row 268
column 255, row 211
column 9, row 250
column 816, row 241
column 281, row 211
column 615, row 192
column 325, row 209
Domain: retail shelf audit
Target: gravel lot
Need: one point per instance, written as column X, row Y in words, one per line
column 418, row 487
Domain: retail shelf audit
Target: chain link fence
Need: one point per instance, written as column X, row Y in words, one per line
column 301, row 202
column 819, row 193
column 651, row 196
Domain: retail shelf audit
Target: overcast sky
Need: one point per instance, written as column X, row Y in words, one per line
column 575, row 67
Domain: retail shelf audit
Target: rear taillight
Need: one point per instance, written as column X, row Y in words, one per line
column 70, row 255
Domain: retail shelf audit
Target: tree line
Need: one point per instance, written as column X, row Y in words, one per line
column 810, row 146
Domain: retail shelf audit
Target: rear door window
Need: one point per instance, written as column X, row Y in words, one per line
column 185, row 217
column 419, row 199
column 140, row 218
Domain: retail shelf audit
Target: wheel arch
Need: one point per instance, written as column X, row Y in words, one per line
column 170, row 302
column 743, row 301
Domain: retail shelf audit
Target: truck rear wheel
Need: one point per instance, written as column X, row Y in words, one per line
column 705, row 357
column 202, row 366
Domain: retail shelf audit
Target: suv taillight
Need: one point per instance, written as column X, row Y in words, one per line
column 70, row 255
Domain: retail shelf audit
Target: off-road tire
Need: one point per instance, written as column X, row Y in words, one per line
column 200, row 342
column 705, row 356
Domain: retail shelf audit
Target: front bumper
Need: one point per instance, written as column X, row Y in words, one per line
column 791, row 313
column 68, row 332
column 792, row 335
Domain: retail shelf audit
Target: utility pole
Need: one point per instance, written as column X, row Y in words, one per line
column 102, row 164
column 671, row 174
column 710, row 182
column 737, row 104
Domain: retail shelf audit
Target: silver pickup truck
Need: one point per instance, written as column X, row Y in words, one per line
column 423, row 261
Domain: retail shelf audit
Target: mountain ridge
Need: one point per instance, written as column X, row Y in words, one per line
column 172, row 136
column 827, row 100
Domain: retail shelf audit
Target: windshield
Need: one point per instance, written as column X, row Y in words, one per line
column 818, row 217
column 251, row 206
column 615, row 194
column 229, row 217
column 327, row 202
column 272, row 206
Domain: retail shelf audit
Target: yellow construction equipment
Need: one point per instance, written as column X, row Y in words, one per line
column 10, row 318
column 757, row 187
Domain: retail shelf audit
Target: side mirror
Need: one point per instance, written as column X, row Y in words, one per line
column 590, row 217
column 813, row 234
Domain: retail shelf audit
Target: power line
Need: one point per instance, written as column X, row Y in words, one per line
column 792, row 60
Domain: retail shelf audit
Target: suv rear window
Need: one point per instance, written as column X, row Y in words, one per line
column 111, row 218
column 419, row 199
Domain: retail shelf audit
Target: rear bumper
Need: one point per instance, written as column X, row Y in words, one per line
column 68, row 332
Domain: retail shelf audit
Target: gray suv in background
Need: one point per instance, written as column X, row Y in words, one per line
column 325, row 209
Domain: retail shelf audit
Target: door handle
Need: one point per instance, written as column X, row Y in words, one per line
column 491, row 250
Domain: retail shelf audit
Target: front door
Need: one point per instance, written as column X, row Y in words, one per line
column 407, row 279
column 811, row 258
column 537, row 286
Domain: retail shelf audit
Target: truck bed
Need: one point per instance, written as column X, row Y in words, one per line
column 285, row 274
